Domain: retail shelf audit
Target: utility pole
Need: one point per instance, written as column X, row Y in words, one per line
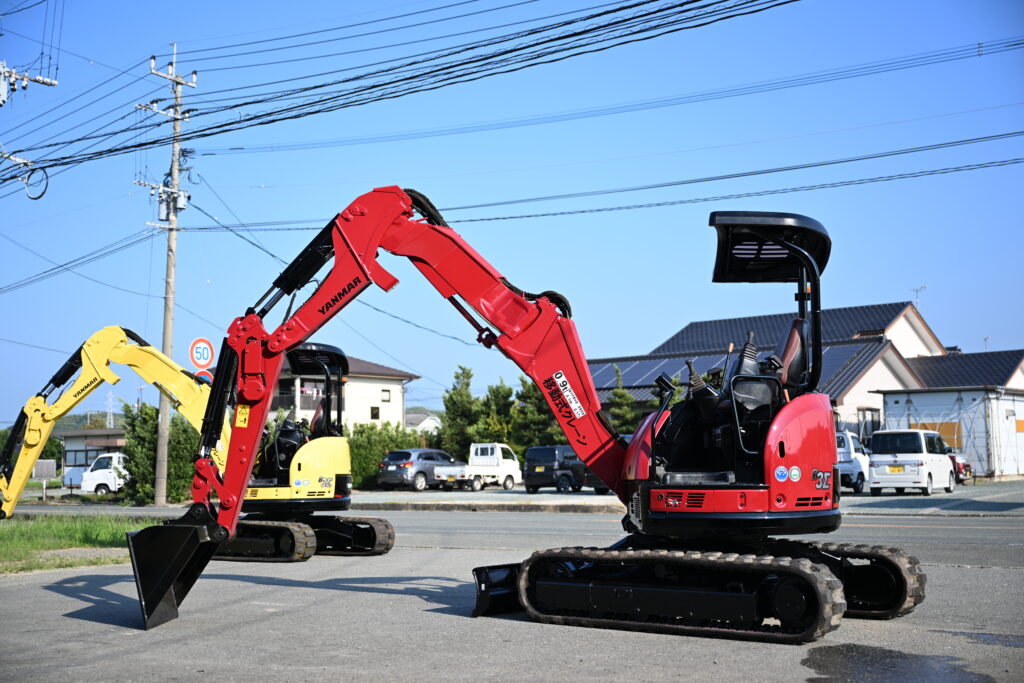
column 9, row 83
column 172, row 200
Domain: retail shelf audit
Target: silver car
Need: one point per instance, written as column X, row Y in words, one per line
column 412, row 467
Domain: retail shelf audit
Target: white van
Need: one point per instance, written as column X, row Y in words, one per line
column 105, row 475
column 910, row 459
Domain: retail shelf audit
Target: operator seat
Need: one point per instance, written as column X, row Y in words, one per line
column 318, row 425
column 790, row 355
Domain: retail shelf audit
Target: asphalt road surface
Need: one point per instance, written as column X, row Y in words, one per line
column 405, row 615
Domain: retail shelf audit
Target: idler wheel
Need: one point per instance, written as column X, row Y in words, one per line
column 794, row 604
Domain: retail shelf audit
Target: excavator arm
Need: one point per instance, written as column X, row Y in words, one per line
column 534, row 331
column 36, row 421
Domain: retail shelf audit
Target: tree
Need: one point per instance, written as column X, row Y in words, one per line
column 533, row 423
column 461, row 413
column 140, row 448
column 53, row 450
column 625, row 412
column 495, row 419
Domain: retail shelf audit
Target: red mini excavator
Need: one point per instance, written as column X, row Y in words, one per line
column 708, row 484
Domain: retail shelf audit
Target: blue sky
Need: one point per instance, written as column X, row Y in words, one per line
column 634, row 277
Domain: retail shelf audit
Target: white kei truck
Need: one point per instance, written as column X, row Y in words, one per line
column 490, row 464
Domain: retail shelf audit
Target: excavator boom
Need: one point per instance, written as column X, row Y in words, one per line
column 36, row 421
column 534, row 331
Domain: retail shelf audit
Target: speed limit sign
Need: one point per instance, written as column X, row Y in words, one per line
column 201, row 353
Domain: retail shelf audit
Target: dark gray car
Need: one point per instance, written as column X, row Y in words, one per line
column 411, row 467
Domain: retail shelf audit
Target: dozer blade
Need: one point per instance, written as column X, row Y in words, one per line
column 497, row 589
column 167, row 559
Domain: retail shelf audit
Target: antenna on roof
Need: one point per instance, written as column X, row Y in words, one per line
column 917, row 293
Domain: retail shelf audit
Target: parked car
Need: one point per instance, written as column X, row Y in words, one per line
column 910, row 458
column 852, row 460
column 963, row 469
column 105, row 475
column 555, row 466
column 559, row 467
column 412, row 467
column 489, row 463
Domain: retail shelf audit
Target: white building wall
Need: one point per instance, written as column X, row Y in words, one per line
column 911, row 339
column 364, row 394
column 1006, row 425
column 1016, row 379
column 984, row 423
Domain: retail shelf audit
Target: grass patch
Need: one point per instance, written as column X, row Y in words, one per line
column 36, row 542
column 36, row 484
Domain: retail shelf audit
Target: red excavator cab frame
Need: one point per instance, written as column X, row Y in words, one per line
column 715, row 467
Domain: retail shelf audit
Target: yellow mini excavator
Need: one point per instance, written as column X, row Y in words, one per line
column 301, row 470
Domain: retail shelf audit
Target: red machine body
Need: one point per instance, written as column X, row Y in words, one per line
column 735, row 464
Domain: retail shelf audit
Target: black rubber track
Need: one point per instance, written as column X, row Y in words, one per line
column 302, row 542
column 383, row 535
column 826, row 587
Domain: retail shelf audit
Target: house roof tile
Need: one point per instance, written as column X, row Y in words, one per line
column 991, row 368
column 837, row 324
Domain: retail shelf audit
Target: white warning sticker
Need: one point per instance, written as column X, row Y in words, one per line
column 569, row 396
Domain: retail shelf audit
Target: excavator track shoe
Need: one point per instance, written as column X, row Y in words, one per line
column 715, row 594
column 880, row 582
column 269, row 541
column 167, row 560
column 352, row 536
column 497, row 589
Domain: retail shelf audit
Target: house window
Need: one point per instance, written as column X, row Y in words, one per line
column 374, row 412
column 385, row 395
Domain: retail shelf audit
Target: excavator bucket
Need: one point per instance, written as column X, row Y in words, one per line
column 497, row 589
column 167, row 559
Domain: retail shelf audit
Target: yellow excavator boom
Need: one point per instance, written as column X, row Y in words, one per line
column 187, row 393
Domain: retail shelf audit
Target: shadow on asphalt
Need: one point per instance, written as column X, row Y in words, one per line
column 105, row 606
column 452, row 596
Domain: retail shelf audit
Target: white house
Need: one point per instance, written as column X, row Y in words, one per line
column 975, row 400
column 370, row 393
column 424, row 423
column 876, row 359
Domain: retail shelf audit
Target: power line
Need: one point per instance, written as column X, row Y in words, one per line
column 676, row 183
column 804, row 188
column 545, row 50
column 393, row 29
column 763, row 193
column 33, row 346
column 323, row 30
column 746, row 174
column 896, row 64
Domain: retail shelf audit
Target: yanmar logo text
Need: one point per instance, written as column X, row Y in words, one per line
column 81, row 391
column 342, row 293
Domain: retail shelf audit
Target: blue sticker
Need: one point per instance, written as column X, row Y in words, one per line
column 781, row 473
column 794, row 473
column 298, row 482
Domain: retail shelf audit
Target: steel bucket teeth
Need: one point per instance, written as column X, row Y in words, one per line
column 168, row 559
column 497, row 589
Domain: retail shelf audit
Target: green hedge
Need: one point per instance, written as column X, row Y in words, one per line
column 369, row 443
